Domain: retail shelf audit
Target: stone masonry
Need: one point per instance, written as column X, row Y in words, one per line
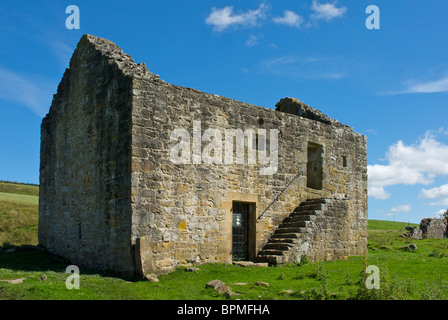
column 112, row 198
column 432, row 228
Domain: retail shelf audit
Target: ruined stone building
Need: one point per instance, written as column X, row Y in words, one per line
column 118, row 192
column 430, row 228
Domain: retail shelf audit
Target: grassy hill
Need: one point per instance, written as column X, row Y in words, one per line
column 18, row 213
column 404, row 274
column 19, row 188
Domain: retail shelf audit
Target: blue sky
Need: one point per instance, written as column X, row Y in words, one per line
column 390, row 84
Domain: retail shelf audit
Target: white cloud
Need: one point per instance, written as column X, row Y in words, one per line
column 439, row 214
column 253, row 40
column 401, row 208
column 428, row 87
column 31, row 91
column 413, row 86
column 290, row 19
column 223, row 18
column 410, row 165
column 398, row 209
column 303, row 67
column 378, row 193
column 327, row 11
column 440, row 193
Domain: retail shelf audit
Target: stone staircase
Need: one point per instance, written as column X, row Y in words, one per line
column 288, row 242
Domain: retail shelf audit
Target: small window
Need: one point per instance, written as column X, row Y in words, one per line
column 344, row 161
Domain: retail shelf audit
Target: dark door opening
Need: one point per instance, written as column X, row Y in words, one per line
column 241, row 230
column 314, row 166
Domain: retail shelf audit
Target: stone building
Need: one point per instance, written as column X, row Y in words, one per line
column 433, row 228
column 430, row 228
column 122, row 188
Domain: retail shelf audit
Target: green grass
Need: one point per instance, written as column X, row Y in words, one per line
column 18, row 213
column 404, row 274
column 382, row 234
column 19, row 188
column 19, row 198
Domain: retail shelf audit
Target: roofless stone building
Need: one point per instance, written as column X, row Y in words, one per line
column 138, row 175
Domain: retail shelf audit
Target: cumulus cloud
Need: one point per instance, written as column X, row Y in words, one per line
column 327, row 11
column 290, row 19
column 223, row 18
column 410, row 165
column 378, row 193
column 440, row 193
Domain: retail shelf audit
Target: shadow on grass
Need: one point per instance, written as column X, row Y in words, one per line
column 32, row 259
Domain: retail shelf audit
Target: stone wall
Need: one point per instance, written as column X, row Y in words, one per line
column 84, row 200
column 332, row 233
column 433, row 228
column 183, row 211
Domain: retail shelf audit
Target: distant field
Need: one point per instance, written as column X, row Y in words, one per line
column 19, row 198
column 389, row 225
column 18, row 213
column 17, row 188
column 383, row 233
column 404, row 274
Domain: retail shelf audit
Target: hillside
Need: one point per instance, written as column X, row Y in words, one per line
column 18, row 213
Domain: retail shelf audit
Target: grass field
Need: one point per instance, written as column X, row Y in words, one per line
column 420, row 274
column 18, row 213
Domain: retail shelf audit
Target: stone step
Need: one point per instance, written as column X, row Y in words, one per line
column 292, row 224
column 310, row 206
column 271, row 252
column 290, row 231
column 277, row 246
column 270, row 259
column 290, row 241
column 306, row 213
column 285, row 235
column 320, row 200
column 283, row 230
column 300, row 217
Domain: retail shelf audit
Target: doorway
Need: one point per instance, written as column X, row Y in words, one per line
column 242, row 230
column 314, row 166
